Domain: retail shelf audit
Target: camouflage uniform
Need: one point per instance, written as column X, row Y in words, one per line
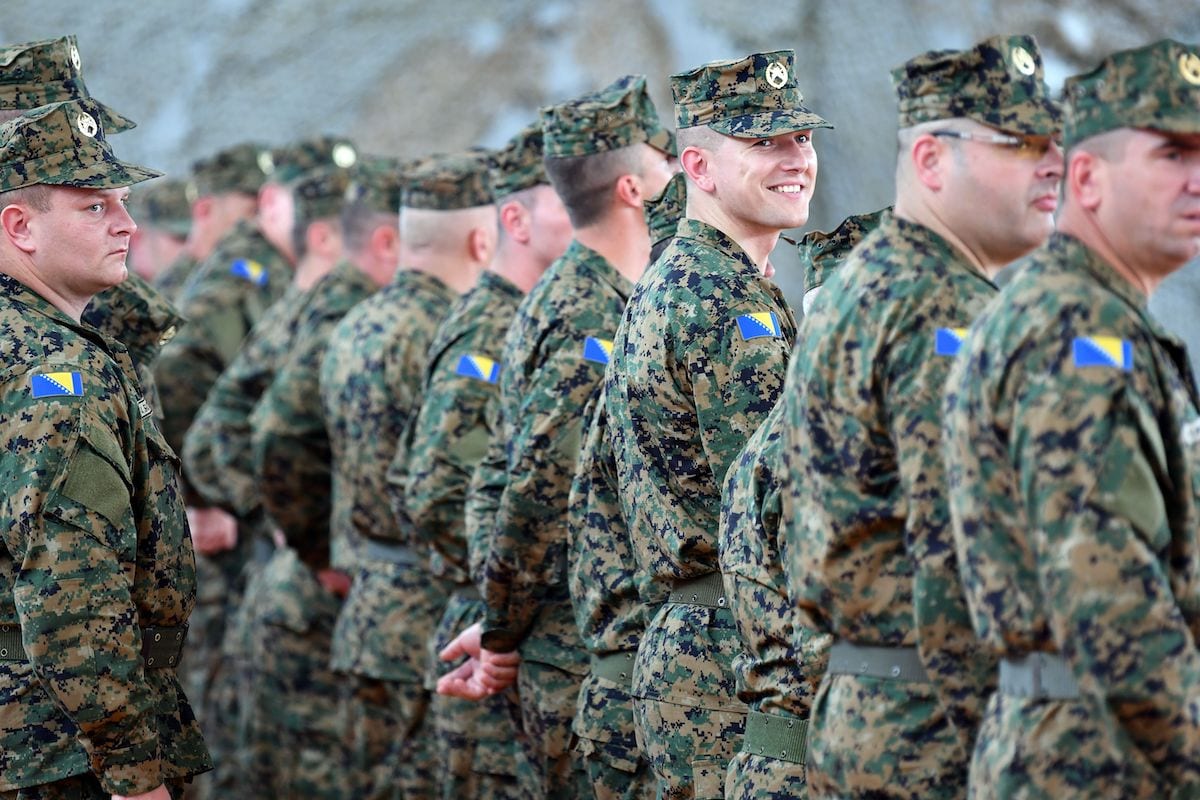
column 163, row 204
column 1071, row 450
column 233, row 170
column 554, row 356
column 97, row 560
column 371, row 381
column 782, row 658
column 697, row 363
column 865, row 389
column 476, row 741
column 607, row 589
column 300, row 710
column 138, row 316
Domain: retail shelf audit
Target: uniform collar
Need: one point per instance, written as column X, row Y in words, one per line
column 18, row 292
column 706, row 234
column 1074, row 252
column 422, row 281
column 494, row 283
column 588, row 263
column 932, row 246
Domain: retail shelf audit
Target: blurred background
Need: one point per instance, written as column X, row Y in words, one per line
column 404, row 77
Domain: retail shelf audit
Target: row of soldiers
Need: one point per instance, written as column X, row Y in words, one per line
column 541, row 489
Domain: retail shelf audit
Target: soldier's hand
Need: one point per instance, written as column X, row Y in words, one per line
column 213, row 530
column 160, row 793
column 484, row 672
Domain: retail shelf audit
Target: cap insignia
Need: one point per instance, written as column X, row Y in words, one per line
column 75, row 58
column 344, row 156
column 265, row 162
column 1189, row 68
column 1023, row 61
column 776, row 75
column 86, row 124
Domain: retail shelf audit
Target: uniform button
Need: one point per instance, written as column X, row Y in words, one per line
column 150, row 662
column 3, row 652
column 157, row 637
column 789, row 723
column 721, row 601
column 623, row 676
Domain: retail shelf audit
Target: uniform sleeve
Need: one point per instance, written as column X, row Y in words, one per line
column 528, row 553
column 483, row 496
column 217, row 452
column 963, row 672
column 75, row 545
column 191, row 363
column 1091, row 461
column 602, row 572
column 292, row 454
column 450, row 438
column 735, row 383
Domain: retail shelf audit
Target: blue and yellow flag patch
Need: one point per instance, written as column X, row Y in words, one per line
column 481, row 368
column 762, row 324
column 56, row 384
column 1102, row 351
column 249, row 270
column 948, row 341
column 598, row 350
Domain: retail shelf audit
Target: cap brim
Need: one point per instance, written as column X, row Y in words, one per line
column 107, row 175
column 1042, row 117
column 112, row 122
column 769, row 123
column 664, row 140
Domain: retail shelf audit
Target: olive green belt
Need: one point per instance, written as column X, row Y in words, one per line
column 616, row 667
column 776, row 736
column 161, row 645
column 1039, row 676
column 707, row 590
column 391, row 552
column 873, row 661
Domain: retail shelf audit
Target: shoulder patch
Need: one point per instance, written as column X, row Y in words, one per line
column 948, row 341
column 480, row 368
column 249, row 270
column 1102, row 351
column 598, row 350
column 56, row 384
column 759, row 325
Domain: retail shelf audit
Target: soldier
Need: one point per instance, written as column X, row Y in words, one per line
column 97, row 569
column 222, row 192
column 781, row 661
column 164, row 221
column 299, row 595
column 697, row 364
column 476, row 741
column 1071, row 423
column 370, row 383
column 611, row 597
column 606, row 153
column 977, row 131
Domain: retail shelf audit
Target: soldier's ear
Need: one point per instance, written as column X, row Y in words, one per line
column 15, row 221
column 514, row 218
column 695, row 162
column 1084, row 179
column 930, row 155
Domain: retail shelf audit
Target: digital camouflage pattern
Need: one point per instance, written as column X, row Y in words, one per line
column 1155, row 87
column 138, row 316
column 519, row 166
column 234, row 169
column 449, row 182
column 1038, row 437
column 162, row 204
column 869, row 558
column 291, row 448
column 554, row 356
column 295, row 729
column 226, row 297
column 607, row 591
column 750, row 98
column 96, row 545
column 34, row 74
column 821, row 253
column 619, row 115
column 697, row 364
column 282, row 165
column 370, row 386
column 665, row 209
column 63, row 144
column 172, row 278
column 998, row 82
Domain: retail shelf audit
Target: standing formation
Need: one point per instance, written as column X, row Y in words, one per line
column 512, row 474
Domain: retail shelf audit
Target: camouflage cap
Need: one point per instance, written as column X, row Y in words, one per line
column 285, row 164
column 664, row 210
column 519, row 165
column 1155, row 87
column 320, row 192
column 377, row 183
column 619, row 115
column 234, row 169
column 750, row 98
column 35, row 74
column 163, row 204
column 822, row 253
column 998, row 82
column 449, row 182
column 62, row 144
